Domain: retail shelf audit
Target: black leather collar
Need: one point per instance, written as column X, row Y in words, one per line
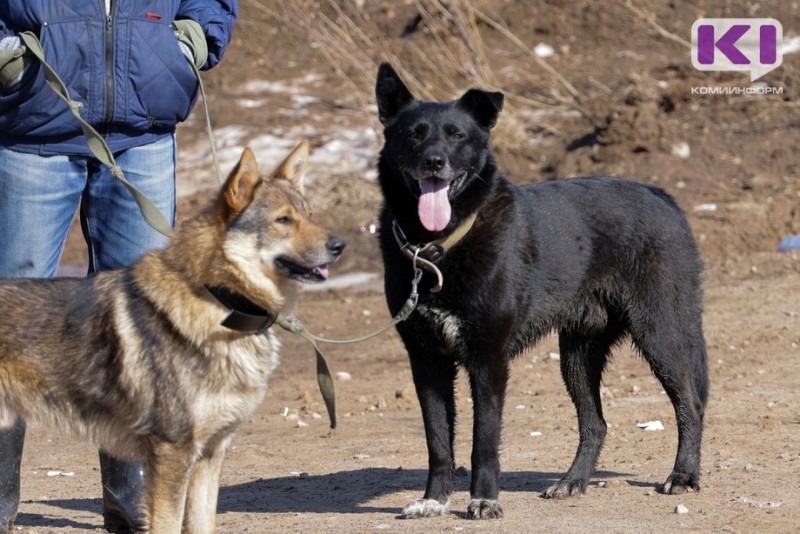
column 246, row 315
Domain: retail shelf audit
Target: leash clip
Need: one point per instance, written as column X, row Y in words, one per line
column 413, row 252
column 414, row 283
column 414, row 259
column 293, row 324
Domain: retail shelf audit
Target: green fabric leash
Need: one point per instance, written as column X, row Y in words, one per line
column 324, row 375
column 196, row 69
column 294, row 326
column 95, row 141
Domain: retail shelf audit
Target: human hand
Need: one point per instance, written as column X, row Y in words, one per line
column 13, row 60
column 192, row 40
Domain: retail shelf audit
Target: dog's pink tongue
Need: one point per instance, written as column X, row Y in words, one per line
column 323, row 271
column 434, row 206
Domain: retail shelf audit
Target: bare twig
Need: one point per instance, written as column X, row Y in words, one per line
column 453, row 47
column 549, row 69
column 650, row 18
column 261, row 7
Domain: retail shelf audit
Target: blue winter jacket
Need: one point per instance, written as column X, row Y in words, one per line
column 126, row 68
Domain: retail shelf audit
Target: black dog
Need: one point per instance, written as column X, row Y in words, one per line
column 595, row 259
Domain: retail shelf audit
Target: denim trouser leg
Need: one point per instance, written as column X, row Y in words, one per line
column 38, row 198
column 115, row 230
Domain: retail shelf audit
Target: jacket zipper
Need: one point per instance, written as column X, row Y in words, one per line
column 109, row 114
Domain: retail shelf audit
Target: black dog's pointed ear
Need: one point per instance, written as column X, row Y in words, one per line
column 482, row 105
column 391, row 93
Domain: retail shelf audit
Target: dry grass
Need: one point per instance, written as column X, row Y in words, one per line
column 444, row 54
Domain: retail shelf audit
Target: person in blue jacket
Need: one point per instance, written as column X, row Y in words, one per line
column 127, row 63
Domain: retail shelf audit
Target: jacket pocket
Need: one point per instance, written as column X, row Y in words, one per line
column 159, row 87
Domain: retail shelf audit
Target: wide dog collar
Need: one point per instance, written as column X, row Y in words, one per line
column 433, row 250
column 245, row 315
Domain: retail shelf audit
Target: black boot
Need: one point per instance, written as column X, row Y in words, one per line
column 11, row 441
column 123, row 494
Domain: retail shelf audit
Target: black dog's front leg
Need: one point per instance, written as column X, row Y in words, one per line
column 434, row 378
column 488, row 384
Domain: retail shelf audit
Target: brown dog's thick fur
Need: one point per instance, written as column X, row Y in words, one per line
column 137, row 361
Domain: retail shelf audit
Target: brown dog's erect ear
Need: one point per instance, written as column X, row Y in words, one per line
column 391, row 93
column 483, row 106
column 241, row 183
column 293, row 168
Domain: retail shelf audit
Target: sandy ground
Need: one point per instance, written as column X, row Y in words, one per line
column 285, row 472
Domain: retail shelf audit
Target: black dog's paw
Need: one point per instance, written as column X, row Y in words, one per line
column 425, row 508
column 678, row 483
column 565, row 488
column 484, row 509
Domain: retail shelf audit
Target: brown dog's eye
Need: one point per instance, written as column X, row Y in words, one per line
column 284, row 219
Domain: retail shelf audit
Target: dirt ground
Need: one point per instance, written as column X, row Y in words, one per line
column 615, row 97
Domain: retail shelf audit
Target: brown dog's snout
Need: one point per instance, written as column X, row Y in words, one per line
column 335, row 245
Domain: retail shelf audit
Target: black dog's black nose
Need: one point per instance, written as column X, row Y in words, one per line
column 435, row 161
column 335, row 245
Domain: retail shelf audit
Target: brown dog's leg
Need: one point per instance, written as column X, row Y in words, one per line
column 168, row 469
column 201, row 498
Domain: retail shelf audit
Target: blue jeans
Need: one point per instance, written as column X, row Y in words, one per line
column 39, row 196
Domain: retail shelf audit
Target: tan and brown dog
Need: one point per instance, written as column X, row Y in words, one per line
column 164, row 360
